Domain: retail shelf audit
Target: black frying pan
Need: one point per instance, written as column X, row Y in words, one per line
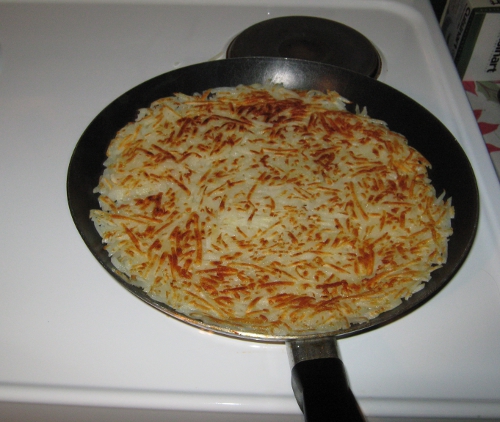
column 318, row 377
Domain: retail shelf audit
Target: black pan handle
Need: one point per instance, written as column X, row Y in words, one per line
column 319, row 382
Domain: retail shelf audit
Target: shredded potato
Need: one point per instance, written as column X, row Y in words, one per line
column 269, row 210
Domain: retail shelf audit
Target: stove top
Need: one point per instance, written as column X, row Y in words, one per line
column 72, row 336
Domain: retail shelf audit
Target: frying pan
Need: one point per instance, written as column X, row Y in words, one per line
column 318, row 376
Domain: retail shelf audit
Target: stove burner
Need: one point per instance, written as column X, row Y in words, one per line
column 308, row 38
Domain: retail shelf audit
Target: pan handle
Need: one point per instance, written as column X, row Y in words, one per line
column 319, row 382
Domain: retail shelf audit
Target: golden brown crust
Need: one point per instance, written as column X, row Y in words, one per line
column 269, row 210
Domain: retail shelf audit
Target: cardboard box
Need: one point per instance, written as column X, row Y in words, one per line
column 472, row 31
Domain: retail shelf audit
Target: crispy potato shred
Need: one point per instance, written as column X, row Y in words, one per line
column 272, row 211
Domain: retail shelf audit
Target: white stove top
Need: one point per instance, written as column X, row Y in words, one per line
column 71, row 335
